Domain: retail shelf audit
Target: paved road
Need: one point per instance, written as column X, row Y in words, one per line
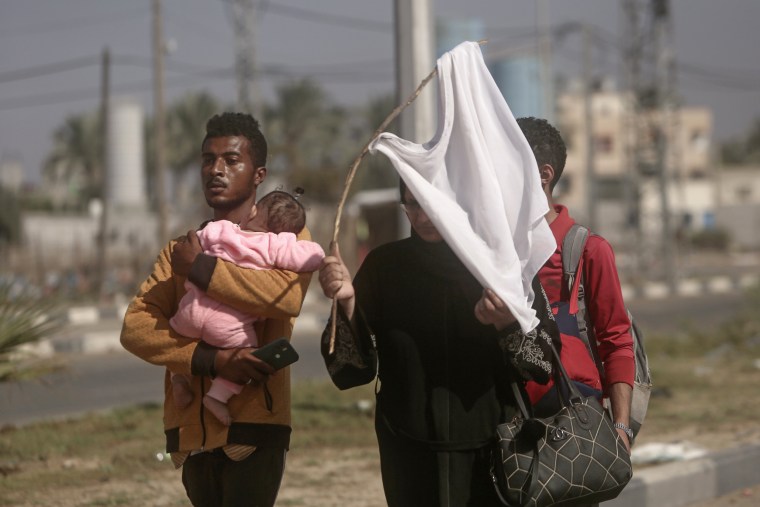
column 669, row 315
column 101, row 381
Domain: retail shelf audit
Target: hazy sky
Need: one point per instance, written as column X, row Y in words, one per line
column 347, row 45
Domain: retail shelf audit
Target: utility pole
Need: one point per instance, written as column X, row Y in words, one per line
column 243, row 22
column 159, row 123
column 105, row 84
column 545, row 57
column 631, row 125
column 664, row 71
column 415, row 58
column 588, row 91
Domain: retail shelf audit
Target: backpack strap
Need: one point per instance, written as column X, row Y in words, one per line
column 573, row 246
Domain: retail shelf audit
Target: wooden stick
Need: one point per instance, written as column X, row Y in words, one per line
column 352, row 173
column 350, row 179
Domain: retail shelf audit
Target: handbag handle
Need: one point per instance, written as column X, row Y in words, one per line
column 561, row 378
column 568, row 398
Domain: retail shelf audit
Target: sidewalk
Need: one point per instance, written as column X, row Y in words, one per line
column 683, row 483
column 95, row 330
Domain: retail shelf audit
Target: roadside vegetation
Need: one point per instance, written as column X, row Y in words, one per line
column 25, row 318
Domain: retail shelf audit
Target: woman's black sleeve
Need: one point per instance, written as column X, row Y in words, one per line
column 530, row 353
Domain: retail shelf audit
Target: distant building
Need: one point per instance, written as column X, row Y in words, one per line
column 689, row 164
column 11, row 174
column 450, row 32
column 738, row 205
column 518, row 79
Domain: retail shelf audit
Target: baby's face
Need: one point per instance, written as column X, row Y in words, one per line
column 257, row 220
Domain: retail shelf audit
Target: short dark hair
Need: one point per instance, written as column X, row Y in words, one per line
column 239, row 124
column 546, row 143
column 284, row 212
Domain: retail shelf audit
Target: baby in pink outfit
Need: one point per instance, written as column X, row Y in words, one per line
column 267, row 240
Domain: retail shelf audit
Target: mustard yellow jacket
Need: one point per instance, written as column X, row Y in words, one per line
column 261, row 413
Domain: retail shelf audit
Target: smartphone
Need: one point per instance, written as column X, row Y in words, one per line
column 278, row 354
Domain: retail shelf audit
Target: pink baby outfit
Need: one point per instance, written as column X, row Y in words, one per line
column 200, row 316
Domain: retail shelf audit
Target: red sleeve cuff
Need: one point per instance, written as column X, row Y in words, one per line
column 619, row 369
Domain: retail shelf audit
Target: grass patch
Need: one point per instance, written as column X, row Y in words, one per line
column 323, row 416
column 707, row 382
column 41, row 460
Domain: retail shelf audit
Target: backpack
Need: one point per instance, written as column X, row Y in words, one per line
column 572, row 249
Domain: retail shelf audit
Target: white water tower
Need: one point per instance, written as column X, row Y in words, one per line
column 126, row 156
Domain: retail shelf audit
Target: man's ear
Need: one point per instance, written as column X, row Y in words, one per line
column 546, row 172
column 259, row 175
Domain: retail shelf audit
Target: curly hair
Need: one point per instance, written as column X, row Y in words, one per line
column 239, row 124
column 284, row 212
column 546, row 143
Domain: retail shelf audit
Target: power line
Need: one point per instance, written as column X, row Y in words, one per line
column 186, row 68
column 58, row 25
column 46, row 70
column 207, row 74
column 324, row 18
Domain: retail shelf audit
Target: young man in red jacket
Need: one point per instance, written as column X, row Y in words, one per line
column 604, row 300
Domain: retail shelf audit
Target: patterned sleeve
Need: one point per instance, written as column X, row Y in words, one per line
column 530, row 353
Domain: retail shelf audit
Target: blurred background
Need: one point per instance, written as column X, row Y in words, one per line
column 103, row 106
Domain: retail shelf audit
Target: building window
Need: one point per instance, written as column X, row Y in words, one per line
column 698, row 140
column 610, row 188
column 603, row 144
column 743, row 194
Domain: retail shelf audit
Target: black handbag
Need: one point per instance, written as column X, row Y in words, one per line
column 353, row 362
column 575, row 457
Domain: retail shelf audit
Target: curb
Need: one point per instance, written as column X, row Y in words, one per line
column 683, row 483
column 83, row 315
column 720, row 284
column 96, row 330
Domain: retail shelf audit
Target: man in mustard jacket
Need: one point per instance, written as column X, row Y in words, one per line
column 241, row 464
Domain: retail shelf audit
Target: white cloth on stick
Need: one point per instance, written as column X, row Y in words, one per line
column 478, row 181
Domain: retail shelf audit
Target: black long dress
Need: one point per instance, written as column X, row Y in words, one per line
column 444, row 376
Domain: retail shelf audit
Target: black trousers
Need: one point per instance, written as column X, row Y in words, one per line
column 212, row 479
column 417, row 477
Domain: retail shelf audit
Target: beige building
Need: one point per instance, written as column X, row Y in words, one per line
column 689, row 163
column 738, row 205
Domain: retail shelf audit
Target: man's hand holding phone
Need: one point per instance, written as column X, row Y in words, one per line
column 278, row 354
column 241, row 366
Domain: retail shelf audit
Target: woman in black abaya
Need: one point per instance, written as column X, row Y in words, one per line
column 446, row 351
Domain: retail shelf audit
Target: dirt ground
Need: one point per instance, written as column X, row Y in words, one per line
column 326, row 477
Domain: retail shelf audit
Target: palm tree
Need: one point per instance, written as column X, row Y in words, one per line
column 10, row 218
column 73, row 166
column 378, row 171
column 308, row 139
column 744, row 150
column 25, row 318
column 186, row 125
